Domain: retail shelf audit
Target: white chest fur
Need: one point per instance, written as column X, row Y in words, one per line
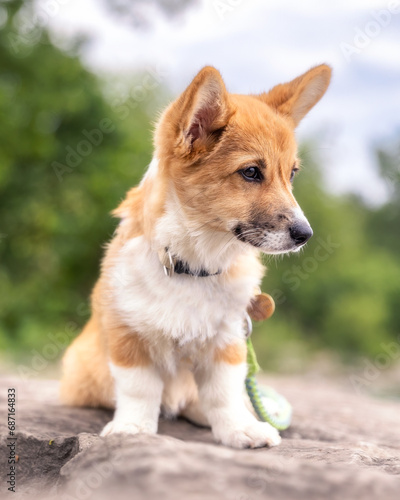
column 183, row 308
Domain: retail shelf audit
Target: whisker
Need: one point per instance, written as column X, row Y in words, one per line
column 227, row 243
column 250, row 231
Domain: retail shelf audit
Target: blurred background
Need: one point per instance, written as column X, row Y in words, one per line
column 81, row 84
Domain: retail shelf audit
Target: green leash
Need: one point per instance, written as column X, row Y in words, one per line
column 269, row 406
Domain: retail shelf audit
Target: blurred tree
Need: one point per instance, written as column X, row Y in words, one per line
column 67, row 157
column 387, row 217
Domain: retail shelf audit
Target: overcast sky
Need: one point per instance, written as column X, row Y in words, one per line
column 256, row 44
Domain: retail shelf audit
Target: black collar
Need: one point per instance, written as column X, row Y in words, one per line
column 174, row 265
column 183, row 268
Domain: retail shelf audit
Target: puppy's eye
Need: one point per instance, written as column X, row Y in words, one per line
column 294, row 170
column 251, row 174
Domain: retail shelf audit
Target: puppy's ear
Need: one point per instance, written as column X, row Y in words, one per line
column 202, row 111
column 295, row 99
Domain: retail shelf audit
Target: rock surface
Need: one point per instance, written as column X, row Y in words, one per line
column 340, row 446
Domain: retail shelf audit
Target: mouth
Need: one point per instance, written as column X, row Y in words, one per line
column 247, row 235
column 274, row 242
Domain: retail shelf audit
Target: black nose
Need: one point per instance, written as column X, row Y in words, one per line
column 300, row 233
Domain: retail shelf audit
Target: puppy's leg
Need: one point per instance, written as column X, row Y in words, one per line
column 181, row 398
column 221, row 386
column 138, row 385
column 195, row 414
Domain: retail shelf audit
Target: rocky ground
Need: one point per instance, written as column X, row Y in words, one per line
column 340, row 446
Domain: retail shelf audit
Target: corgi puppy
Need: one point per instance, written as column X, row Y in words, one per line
column 167, row 326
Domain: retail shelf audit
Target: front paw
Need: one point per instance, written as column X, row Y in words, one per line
column 250, row 435
column 115, row 427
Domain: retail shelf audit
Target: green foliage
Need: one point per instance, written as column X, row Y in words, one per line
column 56, row 186
column 68, row 156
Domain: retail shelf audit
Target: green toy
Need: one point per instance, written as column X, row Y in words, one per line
column 269, row 406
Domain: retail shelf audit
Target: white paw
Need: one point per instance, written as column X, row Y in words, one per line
column 115, row 427
column 253, row 434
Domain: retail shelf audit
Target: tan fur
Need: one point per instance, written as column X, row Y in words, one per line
column 89, row 381
column 179, row 391
column 296, row 98
column 127, row 348
column 232, row 354
column 146, row 202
